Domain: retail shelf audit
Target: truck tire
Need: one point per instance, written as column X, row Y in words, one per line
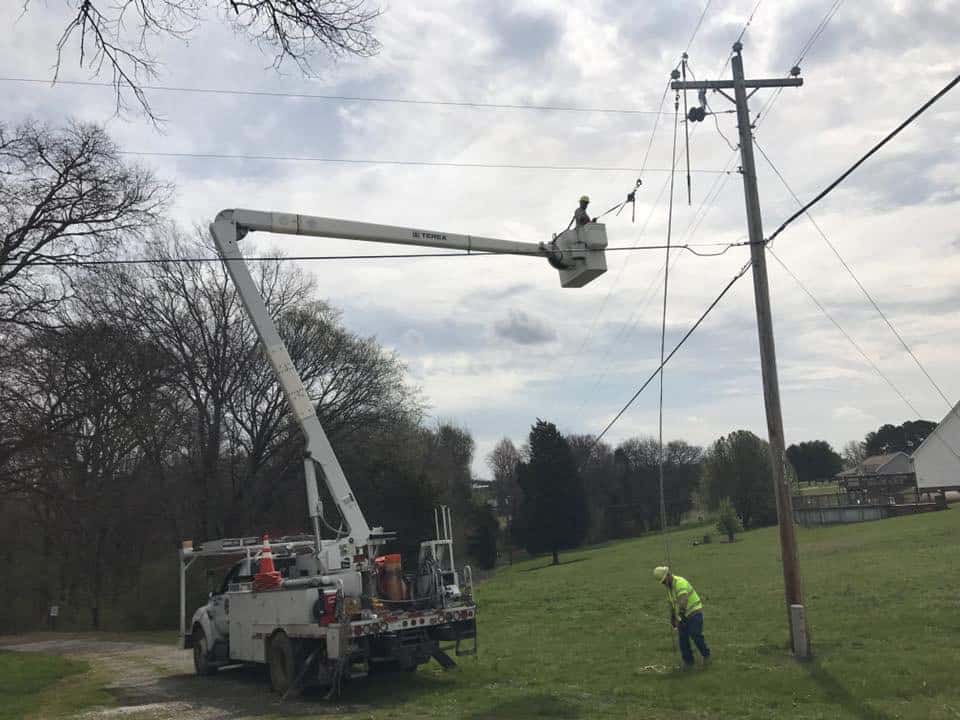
column 201, row 653
column 283, row 663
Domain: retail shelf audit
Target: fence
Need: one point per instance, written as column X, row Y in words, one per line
column 858, row 507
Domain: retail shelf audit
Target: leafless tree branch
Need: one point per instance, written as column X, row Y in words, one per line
column 115, row 37
column 65, row 195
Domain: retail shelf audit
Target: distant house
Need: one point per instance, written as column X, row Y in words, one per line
column 937, row 460
column 879, row 474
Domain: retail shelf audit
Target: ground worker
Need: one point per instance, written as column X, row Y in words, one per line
column 686, row 614
column 580, row 216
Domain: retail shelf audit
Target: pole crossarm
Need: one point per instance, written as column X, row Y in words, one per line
column 731, row 84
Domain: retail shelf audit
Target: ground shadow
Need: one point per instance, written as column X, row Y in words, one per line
column 551, row 565
column 838, row 693
column 541, row 705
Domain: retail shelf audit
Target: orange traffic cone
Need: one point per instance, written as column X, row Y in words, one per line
column 267, row 578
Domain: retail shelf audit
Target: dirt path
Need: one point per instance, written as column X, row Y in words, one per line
column 156, row 682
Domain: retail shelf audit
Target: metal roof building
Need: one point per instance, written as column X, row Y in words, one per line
column 937, row 460
column 878, row 474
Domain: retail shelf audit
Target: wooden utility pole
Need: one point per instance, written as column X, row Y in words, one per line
column 768, row 357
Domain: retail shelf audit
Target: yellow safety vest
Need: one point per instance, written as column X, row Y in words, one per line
column 681, row 587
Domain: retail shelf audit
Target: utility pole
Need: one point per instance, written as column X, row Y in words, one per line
column 799, row 637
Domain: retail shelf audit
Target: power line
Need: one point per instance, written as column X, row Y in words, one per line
column 366, row 161
column 857, row 346
column 804, row 49
column 818, row 31
column 827, row 190
column 696, row 28
column 859, row 284
column 383, row 256
column 749, row 21
column 673, row 352
column 839, row 327
column 342, row 98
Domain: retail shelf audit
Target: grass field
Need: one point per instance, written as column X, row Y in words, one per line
column 44, row 686
column 589, row 639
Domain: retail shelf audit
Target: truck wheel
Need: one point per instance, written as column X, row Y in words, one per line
column 201, row 653
column 283, row 665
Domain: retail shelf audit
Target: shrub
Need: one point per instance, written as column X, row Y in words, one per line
column 728, row 523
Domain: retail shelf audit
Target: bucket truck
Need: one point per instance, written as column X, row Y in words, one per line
column 323, row 610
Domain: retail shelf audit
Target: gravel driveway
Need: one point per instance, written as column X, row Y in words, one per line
column 156, row 682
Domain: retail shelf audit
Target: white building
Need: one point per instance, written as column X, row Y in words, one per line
column 937, row 460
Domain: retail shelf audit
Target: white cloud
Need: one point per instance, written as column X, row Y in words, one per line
column 894, row 221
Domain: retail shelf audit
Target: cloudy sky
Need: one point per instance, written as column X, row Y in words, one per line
column 495, row 342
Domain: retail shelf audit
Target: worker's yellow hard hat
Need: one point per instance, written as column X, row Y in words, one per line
column 660, row 573
column 585, row 198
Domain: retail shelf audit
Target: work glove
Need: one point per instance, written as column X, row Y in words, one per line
column 673, row 620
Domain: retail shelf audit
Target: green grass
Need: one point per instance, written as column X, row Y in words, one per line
column 46, row 686
column 590, row 638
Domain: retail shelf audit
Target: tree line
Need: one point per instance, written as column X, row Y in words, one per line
column 557, row 492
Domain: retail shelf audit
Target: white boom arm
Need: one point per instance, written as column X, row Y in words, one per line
column 578, row 255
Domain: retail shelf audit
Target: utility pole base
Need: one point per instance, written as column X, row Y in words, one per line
column 798, row 632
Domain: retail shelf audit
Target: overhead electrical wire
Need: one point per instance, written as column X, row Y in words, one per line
column 852, row 274
column 818, row 31
column 727, row 172
column 643, row 169
column 839, row 327
column 801, row 55
column 373, row 161
column 720, row 182
column 341, row 98
column 855, row 344
column 749, row 21
column 696, row 28
column 673, row 352
column 381, row 256
column 849, row 171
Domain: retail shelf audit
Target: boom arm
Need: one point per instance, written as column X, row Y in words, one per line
column 578, row 255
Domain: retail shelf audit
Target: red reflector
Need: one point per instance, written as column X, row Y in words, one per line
column 357, row 630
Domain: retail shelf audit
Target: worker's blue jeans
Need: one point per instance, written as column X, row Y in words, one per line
column 692, row 629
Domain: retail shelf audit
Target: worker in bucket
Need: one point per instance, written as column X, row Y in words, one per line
column 686, row 614
column 580, row 216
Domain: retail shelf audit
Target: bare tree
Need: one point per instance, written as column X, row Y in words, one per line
column 115, row 35
column 503, row 461
column 65, row 196
column 193, row 315
column 853, row 454
column 84, row 399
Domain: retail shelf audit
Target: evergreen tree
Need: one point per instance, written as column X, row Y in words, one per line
column 553, row 511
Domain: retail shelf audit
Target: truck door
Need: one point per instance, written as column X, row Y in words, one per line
column 220, row 601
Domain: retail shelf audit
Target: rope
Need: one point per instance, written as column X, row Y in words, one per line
column 663, row 323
